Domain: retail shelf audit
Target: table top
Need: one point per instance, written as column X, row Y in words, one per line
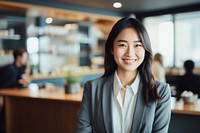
column 58, row 94
column 53, row 94
column 187, row 108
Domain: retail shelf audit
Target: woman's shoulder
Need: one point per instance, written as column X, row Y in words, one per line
column 163, row 88
column 100, row 80
column 96, row 86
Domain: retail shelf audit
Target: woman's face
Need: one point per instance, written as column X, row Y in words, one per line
column 128, row 51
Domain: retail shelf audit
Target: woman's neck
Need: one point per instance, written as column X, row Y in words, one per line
column 127, row 77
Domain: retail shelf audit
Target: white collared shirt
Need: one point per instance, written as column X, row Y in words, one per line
column 122, row 116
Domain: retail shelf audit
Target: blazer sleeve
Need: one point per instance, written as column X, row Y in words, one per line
column 163, row 110
column 83, row 116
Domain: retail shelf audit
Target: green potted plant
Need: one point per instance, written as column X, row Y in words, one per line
column 72, row 81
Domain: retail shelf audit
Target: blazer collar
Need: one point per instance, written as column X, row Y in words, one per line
column 107, row 102
column 107, row 106
column 139, row 111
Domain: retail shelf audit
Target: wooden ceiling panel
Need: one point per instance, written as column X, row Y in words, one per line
column 37, row 10
column 12, row 9
column 103, row 22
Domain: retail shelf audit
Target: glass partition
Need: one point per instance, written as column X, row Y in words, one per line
column 187, row 32
column 176, row 36
column 160, row 29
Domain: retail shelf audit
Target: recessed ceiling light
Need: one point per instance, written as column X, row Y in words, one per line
column 117, row 5
column 49, row 20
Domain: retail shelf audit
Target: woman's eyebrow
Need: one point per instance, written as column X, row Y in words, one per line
column 121, row 41
column 137, row 41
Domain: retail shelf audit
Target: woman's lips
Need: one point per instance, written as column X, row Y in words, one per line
column 129, row 61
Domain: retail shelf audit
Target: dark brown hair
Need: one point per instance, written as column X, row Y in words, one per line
column 18, row 52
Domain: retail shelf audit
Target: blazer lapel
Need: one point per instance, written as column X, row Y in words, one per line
column 139, row 111
column 107, row 103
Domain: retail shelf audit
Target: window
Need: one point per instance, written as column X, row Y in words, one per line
column 160, row 30
column 187, row 42
column 177, row 37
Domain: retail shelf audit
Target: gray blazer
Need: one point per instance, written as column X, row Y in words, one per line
column 95, row 113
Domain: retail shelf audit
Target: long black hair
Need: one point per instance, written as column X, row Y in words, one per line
column 149, row 85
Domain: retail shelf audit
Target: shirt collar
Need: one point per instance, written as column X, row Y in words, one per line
column 118, row 85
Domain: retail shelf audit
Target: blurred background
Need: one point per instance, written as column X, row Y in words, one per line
column 68, row 36
column 74, row 32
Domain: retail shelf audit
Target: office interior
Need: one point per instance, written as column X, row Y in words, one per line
column 66, row 35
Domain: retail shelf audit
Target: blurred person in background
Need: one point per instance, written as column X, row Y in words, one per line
column 189, row 81
column 16, row 75
column 158, row 69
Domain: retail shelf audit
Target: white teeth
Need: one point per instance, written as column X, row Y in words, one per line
column 129, row 60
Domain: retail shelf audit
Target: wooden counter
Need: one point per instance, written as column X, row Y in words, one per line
column 54, row 94
column 42, row 112
column 185, row 118
column 52, row 111
column 187, row 108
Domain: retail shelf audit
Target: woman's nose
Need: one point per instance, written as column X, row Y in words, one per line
column 129, row 51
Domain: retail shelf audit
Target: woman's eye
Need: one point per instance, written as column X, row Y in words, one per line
column 122, row 45
column 138, row 45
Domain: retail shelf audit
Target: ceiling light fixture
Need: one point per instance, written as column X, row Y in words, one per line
column 117, row 5
column 49, row 20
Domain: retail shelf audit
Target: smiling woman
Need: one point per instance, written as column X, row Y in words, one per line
column 127, row 92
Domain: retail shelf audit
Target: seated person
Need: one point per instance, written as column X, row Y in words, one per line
column 189, row 81
column 15, row 75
